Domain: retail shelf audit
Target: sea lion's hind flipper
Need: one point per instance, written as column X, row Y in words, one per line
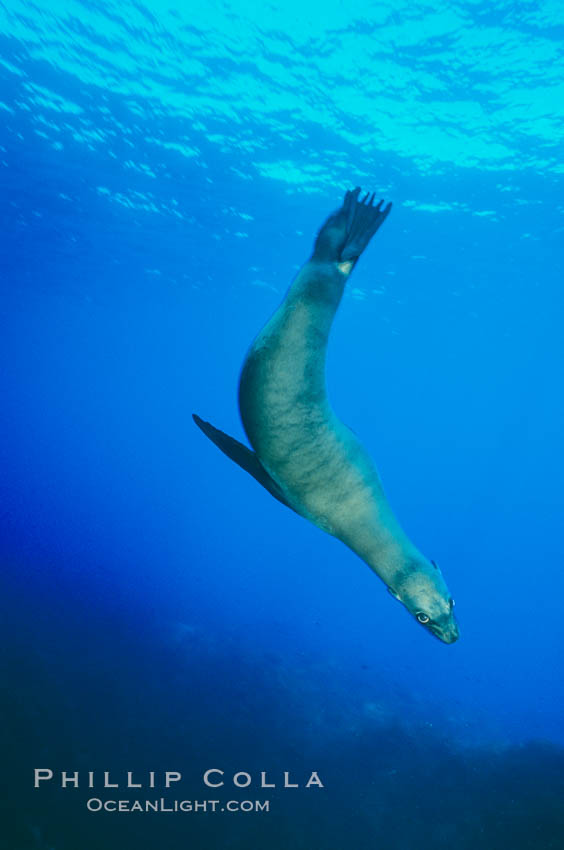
column 363, row 220
column 243, row 456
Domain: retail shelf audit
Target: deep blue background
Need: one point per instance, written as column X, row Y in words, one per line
column 146, row 579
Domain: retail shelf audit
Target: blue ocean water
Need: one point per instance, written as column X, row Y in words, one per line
column 164, row 171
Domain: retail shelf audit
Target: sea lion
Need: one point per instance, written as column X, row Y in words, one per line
column 303, row 454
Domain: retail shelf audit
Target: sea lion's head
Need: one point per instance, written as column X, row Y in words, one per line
column 423, row 591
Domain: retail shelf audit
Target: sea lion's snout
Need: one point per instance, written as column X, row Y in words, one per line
column 444, row 627
column 425, row 595
column 450, row 634
column 446, row 632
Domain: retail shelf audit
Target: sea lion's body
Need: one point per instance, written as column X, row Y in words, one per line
column 303, row 453
column 320, row 465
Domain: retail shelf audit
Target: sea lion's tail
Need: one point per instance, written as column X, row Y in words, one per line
column 347, row 232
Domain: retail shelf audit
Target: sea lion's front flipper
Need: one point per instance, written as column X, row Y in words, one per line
column 243, row 456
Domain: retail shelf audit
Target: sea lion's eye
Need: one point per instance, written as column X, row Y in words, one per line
column 434, row 563
column 451, row 603
column 422, row 618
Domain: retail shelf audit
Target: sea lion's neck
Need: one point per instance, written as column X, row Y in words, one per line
column 389, row 553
